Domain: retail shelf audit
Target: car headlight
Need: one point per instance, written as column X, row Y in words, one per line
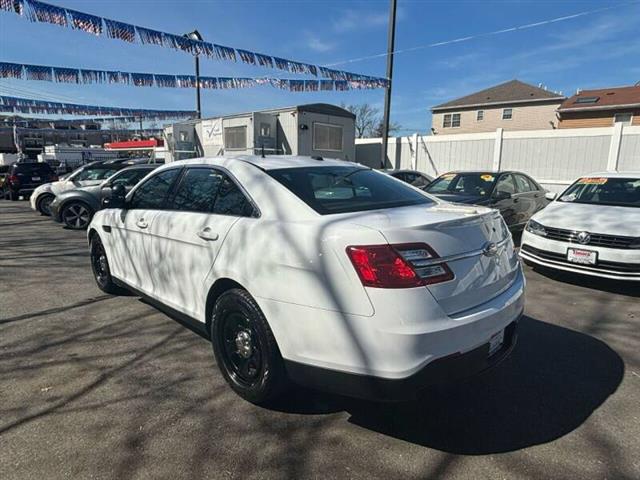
column 536, row 228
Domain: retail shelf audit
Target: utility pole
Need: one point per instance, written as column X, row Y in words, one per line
column 195, row 35
column 387, row 93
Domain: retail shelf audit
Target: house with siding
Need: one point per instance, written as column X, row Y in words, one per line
column 601, row 108
column 513, row 105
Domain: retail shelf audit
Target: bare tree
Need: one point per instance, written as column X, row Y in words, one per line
column 368, row 121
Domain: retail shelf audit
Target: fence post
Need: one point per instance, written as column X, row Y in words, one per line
column 614, row 148
column 414, row 157
column 497, row 150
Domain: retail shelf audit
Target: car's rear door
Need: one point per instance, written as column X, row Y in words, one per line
column 129, row 236
column 507, row 206
column 188, row 236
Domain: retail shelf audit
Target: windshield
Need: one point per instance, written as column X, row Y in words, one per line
column 476, row 184
column 624, row 192
column 89, row 174
column 347, row 189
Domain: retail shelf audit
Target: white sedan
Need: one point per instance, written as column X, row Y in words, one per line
column 593, row 228
column 323, row 272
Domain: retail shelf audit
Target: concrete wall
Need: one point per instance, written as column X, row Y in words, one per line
column 553, row 157
column 524, row 117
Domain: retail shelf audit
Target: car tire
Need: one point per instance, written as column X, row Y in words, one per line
column 245, row 349
column 100, row 267
column 76, row 215
column 43, row 204
column 13, row 196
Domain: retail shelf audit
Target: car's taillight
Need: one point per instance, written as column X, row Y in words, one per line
column 398, row 266
column 13, row 179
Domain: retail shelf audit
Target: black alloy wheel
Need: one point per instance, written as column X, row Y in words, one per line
column 100, row 267
column 245, row 348
column 76, row 215
column 44, row 204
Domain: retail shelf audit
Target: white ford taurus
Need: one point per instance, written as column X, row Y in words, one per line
column 323, row 272
column 593, row 228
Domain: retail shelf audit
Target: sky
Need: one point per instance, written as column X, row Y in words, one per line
column 591, row 51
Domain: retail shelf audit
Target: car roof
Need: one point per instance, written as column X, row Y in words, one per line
column 142, row 166
column 271, row 162
column 632, row 174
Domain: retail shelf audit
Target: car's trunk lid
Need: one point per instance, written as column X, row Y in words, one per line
column 461, row 235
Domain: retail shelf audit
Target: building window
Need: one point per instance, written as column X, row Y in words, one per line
column 451, row 120
column 183, row 136
column 235, row 138
column 507, row 114
column 623, row 118
column 265, row 130
column 480, row 115
column 327, row 137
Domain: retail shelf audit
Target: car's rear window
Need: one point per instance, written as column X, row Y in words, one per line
column 31, row 168
column 338, row 189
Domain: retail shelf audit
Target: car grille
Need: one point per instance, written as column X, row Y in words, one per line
column 597, row 239
column 601, row 264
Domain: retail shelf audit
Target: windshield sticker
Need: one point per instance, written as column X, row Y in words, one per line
column 592, row 181
column 487, row 178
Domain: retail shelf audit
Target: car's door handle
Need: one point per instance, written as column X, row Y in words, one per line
column 141, row 223
column 207, row 234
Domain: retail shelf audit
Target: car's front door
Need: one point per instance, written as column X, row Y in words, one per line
column 188, row 235
column 131, row 227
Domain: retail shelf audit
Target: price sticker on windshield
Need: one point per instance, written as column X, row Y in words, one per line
column 487, row 177
column 592, row 181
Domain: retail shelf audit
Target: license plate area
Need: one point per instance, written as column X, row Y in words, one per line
column 581, row 256
column 35, row 179
column 495, row 342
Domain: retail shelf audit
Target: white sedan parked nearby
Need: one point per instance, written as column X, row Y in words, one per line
column 593, row 228
column 320, row 271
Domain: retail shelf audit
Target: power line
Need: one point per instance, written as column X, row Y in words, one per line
column 486, row 34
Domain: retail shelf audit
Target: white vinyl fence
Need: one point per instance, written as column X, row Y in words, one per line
column 553, row 157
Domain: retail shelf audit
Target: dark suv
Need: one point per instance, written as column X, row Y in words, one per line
column 24, row 177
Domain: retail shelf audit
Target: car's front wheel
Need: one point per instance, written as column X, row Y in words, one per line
column 76, row 215
column 100, row 267
column 44, row 204
column 245, row 348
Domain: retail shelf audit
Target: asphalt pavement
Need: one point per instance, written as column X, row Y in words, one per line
column 104, row 387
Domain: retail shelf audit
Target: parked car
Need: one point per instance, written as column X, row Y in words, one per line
column 515, row 194
column 593, row 228
column 24, row 177
column 4, row 173
column 75, row 207
column 412, row 177
column 374, row 294
column 93, row 173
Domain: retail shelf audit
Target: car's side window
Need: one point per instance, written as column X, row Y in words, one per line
column 523, row 184
column 197, row 190
column 152, row 193
column 505, row 184
column 231, row 200
column 128, row 178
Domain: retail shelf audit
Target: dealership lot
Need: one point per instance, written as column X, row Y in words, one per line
column 95, row 386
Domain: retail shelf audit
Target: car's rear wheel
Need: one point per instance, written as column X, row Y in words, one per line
column 100, row 267
column 245, row 348
column 44, row 204
column 76, row 215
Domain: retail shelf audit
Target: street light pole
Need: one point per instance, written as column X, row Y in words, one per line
column 387, row 94
column 198, row 108
column 195, row 35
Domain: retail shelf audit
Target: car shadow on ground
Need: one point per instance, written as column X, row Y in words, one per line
column 628, row 288
column 554, row 380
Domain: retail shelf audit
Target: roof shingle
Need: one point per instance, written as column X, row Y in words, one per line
column 603, row 98
column 509, row 92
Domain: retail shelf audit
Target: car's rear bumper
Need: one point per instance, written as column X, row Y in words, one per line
column 451, row 368
column 616, row 264
column 55, row 211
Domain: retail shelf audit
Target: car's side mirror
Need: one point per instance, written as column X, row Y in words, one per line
column 501, row 195
column 551, row 196
column 116, row 199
